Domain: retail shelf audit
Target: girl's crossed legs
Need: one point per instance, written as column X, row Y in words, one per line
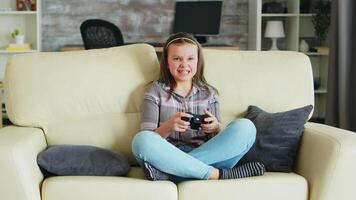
column 222, row 151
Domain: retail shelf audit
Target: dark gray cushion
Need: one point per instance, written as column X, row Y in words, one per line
column 80, row 160
column 278, row 136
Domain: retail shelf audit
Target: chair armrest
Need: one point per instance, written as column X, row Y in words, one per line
column 327, row 159
column 20, row 175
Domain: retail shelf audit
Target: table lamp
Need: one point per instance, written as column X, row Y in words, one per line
column 274, row 30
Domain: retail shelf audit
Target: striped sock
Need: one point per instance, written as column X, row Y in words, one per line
column 153, row 174
column 242, row 171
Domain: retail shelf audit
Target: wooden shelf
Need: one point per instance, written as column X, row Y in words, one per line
column 18, row 12
column 15, row 52
column 306, row 14
column 320, row 91
column 315, row 54
column 279, row 15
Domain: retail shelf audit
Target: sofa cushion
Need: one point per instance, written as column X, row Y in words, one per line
column 272, row 185
column 107, row 188
column 82, row 160
column 113, row 131
column 278, row 136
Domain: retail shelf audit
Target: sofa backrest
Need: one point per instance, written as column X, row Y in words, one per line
column 90, row 97
column 94, row 97
column 273, row 80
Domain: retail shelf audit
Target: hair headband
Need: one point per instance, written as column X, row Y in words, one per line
column 180, row 38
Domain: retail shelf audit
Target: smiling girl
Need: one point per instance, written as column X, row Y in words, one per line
column 167, row 147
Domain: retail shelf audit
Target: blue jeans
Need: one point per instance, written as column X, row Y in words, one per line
column 222, row 151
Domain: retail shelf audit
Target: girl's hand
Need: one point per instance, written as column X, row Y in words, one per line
column 175, row 123
column 212, row 124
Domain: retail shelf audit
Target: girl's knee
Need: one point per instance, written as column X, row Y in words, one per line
column 141, row 141
column 244, row 128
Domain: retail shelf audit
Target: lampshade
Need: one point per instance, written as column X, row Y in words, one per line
column 274, row 29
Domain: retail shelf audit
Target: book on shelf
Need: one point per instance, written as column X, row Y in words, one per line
column 19, row 47
column 324, row 50
column 24, row 45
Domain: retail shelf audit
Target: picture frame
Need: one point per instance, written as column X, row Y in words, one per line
column 25, row 5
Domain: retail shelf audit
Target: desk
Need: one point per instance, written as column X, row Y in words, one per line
column 157, row 49
column 160, row 49
column 72, row 47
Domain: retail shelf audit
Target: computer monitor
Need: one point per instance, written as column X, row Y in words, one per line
column 200, row 18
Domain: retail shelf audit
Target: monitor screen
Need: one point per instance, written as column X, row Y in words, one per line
column 197, row 17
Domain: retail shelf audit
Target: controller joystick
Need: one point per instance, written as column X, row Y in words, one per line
column 196, row 120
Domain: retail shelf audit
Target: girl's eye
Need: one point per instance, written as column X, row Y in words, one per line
column 191, row 58
column 176, row 58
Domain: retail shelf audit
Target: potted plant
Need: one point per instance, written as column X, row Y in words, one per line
column 321, row 20
column 19, row 38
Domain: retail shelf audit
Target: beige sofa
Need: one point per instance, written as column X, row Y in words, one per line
column 94, row 98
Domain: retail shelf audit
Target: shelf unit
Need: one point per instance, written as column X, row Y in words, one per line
column 29, row 24
column 297, row 26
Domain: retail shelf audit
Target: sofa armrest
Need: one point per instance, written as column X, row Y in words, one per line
column 327, row 159
column 20, row 175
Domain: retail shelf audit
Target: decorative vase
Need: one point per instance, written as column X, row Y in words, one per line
column 303, row 46
column 20, row 39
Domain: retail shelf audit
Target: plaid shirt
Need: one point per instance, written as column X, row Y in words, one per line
column 160, row 104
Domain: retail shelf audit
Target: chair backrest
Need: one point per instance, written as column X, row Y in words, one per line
column 98, row 33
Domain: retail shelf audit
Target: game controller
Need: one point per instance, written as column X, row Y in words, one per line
column 196, row 120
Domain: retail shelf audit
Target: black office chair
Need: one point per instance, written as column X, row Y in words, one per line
column 98, row 33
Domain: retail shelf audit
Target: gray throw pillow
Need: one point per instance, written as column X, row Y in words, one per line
column 80, row 160
column 278, row 136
